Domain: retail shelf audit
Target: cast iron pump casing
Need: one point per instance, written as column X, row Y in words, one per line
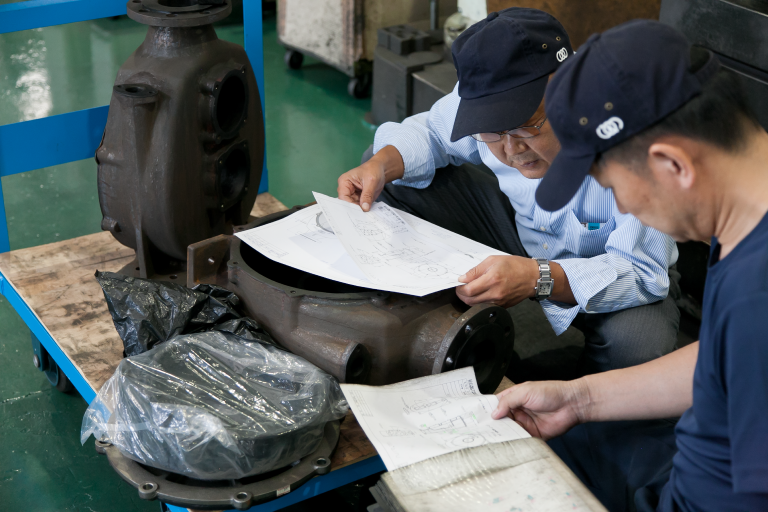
column 358, row 335
column 183, row 149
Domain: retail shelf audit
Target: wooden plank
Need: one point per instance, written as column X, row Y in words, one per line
column 57, row 282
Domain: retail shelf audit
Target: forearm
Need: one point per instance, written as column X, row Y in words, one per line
column 561, row 291
column 391, row 163
column 662, row 388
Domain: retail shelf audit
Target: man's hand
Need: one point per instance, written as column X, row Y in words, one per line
column 507, row 280
column 362, row 185
column 501, row 280
column 545, row 409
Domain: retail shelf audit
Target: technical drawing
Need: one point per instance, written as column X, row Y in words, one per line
column 457, row 422
column 427, row 405
column 314, row 227
column 323, row 223
column 368, row 259
column 431, row 270
column 396, row 432
column 468, row 440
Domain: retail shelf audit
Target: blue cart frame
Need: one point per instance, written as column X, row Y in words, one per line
column 65, row 138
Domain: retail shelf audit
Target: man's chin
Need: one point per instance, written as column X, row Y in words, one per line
column 533, row 171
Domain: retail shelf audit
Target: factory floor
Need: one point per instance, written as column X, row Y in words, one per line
column 315, row 131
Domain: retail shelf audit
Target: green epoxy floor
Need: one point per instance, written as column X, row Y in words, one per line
column 315, row 131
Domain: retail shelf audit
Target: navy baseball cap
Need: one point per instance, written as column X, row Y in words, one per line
column 503, row 63
column 618, row 84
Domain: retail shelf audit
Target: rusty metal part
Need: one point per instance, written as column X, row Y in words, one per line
column 240, row 494
column 358, row 335
column 183, row 149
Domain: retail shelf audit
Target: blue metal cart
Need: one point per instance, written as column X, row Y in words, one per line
column 64, row 138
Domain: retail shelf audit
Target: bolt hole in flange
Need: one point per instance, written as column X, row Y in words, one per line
column 242, row 500
column 148, row 490
column 135, row 90
column 486, row 343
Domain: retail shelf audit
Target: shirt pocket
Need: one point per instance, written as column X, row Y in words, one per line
column 582, row 242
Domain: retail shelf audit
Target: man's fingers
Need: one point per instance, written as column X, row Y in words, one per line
column 477, row 291
column 479, row 270
column 347, row 190
column 509, row 400
column 369, row 193
column 527, row 422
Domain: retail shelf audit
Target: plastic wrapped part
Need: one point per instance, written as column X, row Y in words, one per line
column 524, row 474
column 147, row 312
column 213, row 406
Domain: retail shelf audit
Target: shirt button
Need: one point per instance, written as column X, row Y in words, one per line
column 543, row 228
column 546, row 247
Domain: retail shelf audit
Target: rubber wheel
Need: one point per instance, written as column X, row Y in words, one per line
column 64, row 385
column 57, row 378
column 293, row 59
column 359, row 86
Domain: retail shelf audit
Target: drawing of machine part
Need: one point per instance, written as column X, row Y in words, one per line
column 425, row 405
column 373, row 230
column 314, row 228
column 452, row 423
column 322, row 223
column 468, row 441
column 397, row 432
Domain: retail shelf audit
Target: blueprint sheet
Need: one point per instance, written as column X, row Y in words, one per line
column 306, row 241
column 393, row 254
column 412, row 421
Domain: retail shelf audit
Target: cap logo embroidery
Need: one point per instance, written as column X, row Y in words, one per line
column 562, row 54
column 609, row 128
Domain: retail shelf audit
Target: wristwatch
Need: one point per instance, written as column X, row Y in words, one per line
column 545, row 283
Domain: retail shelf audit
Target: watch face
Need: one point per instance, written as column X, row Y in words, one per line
column 545, row 288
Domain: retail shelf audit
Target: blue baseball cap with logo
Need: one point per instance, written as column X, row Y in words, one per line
column 618, row 84
column 503, row 63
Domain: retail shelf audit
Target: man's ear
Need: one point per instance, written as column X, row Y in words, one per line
column 670, row 162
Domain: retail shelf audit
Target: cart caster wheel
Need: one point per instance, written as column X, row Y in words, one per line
column 58, row 380
column 359, row 86
column 45, row 363
column 293, row 59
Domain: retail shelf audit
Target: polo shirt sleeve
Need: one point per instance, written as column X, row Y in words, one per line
column 424, row 142
column 745, row 369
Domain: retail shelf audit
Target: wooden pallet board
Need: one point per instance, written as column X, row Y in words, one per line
column 57, row 282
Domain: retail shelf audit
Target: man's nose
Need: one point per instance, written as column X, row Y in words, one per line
column 514, row 146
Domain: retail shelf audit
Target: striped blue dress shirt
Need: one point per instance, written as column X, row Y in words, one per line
column 621, row 264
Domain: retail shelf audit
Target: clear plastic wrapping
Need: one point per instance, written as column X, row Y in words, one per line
column 214, row 406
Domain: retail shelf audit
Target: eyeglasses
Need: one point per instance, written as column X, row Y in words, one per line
column 521, row 132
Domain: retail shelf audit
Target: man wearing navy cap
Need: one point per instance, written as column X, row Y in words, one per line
column 656, row 120
column 594, row 267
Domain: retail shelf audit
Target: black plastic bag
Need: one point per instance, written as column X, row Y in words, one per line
column 147, row 312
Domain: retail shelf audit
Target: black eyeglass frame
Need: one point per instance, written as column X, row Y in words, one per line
column 500, row 135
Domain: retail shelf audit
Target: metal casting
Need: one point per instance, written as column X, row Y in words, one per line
column 240, row 494
column 358, row 335
column 182, row 153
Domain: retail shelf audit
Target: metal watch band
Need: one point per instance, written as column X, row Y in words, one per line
column 545, row 282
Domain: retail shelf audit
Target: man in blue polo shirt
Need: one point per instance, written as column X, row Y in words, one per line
column 587, row 264
column 671, row 134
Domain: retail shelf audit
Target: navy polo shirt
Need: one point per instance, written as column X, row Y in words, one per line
column 722, row 441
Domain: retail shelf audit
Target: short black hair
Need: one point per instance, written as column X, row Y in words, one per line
column 720, row 115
